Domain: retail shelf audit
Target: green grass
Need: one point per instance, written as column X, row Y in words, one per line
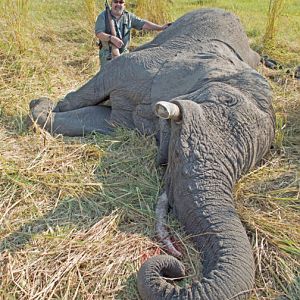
column 77, row 214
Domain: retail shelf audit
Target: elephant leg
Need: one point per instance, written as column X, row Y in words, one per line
column 76, row 122
column 90, row 94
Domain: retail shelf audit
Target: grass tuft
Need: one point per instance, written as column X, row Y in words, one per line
column 275, row 9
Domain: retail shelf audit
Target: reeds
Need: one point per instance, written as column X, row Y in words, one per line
column 275, row 10
column 92, row 11
column 157, row 11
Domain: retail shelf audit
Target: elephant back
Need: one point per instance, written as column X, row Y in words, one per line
column 205, row 25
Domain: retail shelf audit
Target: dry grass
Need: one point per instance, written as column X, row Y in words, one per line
column 157, row 11
column 77, row 215
column 16, row 26
column 91, row 11
column 37, row 172
column 275, row 9
column 95, row 262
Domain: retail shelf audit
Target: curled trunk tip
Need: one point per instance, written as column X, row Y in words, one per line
column 150, row 279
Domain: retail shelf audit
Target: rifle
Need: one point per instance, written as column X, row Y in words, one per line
column 110, row 25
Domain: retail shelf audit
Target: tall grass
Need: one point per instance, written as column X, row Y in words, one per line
column 157, row 11
column 92, row 10
column 15, row 25
column 275, row 10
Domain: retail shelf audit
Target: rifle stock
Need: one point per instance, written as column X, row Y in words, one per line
column 114, row 50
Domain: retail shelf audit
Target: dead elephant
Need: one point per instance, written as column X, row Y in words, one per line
column 216, row 123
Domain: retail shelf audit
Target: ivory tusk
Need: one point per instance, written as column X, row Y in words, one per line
column 167, row 110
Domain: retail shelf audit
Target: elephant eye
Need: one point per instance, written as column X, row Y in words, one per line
column 228, row 100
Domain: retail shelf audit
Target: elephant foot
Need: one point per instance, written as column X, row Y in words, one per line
column 77, row 122
column 41, row 112
column 161, row 213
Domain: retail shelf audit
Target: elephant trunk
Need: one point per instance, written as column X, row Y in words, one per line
column 227, row 260
column 206, row 157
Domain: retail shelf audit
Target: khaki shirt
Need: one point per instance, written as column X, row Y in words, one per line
column 123, row 26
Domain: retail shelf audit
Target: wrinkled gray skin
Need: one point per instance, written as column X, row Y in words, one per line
column 203, row 64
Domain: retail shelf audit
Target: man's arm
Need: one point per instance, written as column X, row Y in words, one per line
column 100, row 28
column 152, row 26
column 104, row 37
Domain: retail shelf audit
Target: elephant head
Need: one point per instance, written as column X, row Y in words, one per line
column 219, row 135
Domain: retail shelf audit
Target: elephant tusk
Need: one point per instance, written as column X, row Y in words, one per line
column 167, row 110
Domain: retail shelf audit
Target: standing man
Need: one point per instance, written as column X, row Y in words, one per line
column 123, row 22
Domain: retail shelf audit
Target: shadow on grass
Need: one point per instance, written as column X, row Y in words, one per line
column 129, row 292
column 81, row 213
column 55, row 240
column 292, row 291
